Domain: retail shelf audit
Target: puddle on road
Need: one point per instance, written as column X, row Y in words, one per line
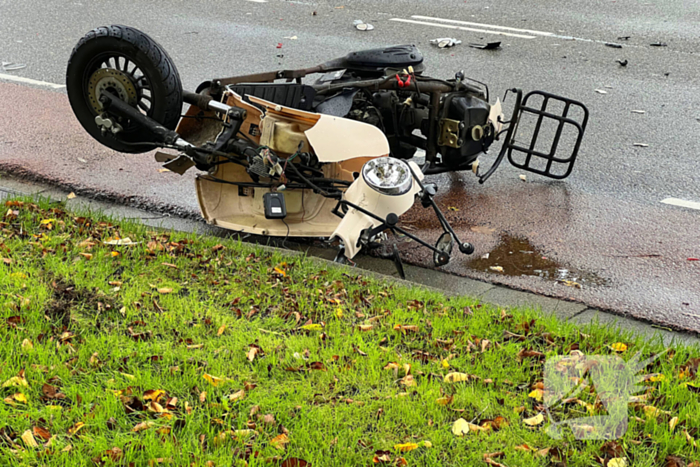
column 518, row 257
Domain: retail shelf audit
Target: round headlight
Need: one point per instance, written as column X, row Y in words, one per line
column 388, row 176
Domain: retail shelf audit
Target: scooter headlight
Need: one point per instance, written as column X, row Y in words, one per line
column 388, row 176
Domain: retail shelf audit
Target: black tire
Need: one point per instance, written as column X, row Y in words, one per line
column 155, row 77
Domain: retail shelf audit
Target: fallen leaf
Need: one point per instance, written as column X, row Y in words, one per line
column 42, row 433
column 446, row 400
column 672, row 424
column 458, row 377
column 27, row 345
column 75, row 428
column 236, row 396
column 496, row 268
column 221, row 330
column 214, row 380
column 280, row 442
column 312, row 327
column 71, row 195
column 408, row 381
column 537, row 394
column 143, row 426
column 460, row 427
column 29, row 440
column 534, row 421
column 619, row 347
column 405, row 447
column 165, row 290
column 617, row 462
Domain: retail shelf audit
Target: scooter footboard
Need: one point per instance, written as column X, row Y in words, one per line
column 548, row 134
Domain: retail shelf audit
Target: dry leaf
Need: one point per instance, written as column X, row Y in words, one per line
column 617, row 462
column 405, row 447
column 672, row 424
column 280, row 442
column 534, row 421
column 221, row 330
column 42, row 433
column 143, row 426
column 75, row 428
column 537, row 394
column 446, row 400
column 237, row 396
column 458, row 377
column 619, row 347
column 29, row 440
column 71, row 195
column 165, row 290
column 214, row 380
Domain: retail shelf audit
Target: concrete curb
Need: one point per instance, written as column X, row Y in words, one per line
column 375, row 267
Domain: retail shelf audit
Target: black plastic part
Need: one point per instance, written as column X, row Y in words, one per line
column 297, row 96
column 529, row 155
column 470, row 111
column 392, row 219
column 114, row 105
column 397, row 262
column 275, row 207
column 397, row 56
column 466, row 248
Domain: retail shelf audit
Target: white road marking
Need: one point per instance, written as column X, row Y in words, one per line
column 682, row 203
column 490, row 26
column 21, row 79
column 461, row 28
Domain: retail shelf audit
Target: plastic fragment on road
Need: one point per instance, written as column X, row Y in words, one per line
column 487, row 46
column 496, row 268
column 641, row 145
column 638, row 111
column 445, row 42
column 279, row 45
column 623, row 62
column 523, row 178
column 613, row 45
column 659, row 44
column 362, row 26
column 292, row 38
column 693, row 259
column 601, row 91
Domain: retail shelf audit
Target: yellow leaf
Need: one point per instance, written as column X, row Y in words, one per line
column 653, row 412
column 86, row 255
column 71, row 195
column 280, row 272
column 405, row 447
column 657, row 378
column 19, row 397
column 619, row 347
column 75, row 428
column 280, row 442
column 153, row 395
column 165, row 290
column 221, row 330
column 237, row 396
column 312, row 327
column 143, row 426
column 534, row 421
column 365, row 327
column 537, row 394
column 457, row 377
column 339, row 313
column 445, row 364
column 27, row 345
column 617, row 462
column 408, row 381
column 29, row 440
column 18, row 381
column 462, row 427
column 214, row 380
column 48, row 221
column 114, row 254
column 427, row 444
column 672, row 424
column 447, row 400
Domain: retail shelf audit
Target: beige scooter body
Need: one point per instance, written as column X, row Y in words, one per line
column 342, row 145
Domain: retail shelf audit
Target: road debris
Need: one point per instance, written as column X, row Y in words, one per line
column 638, row 111
column 523, row 178
column 362, row 26
column 10, row 66
column 693, row 259
column 291, row 38
column 641, row 145
column 659, row 44
column 445, row 42
column 279, row 45
column 601, row 91
column 613, row 45
column 622, row 62
column 487, row 46
column 623, row 38
column 496, row 268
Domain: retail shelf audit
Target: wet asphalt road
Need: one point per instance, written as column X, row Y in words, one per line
column 605, row 223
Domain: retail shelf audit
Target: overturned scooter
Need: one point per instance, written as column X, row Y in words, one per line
column 331, row 159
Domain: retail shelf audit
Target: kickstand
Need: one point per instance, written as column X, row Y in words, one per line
column 397, row 262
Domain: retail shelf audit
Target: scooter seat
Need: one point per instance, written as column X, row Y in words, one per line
column 397, row 56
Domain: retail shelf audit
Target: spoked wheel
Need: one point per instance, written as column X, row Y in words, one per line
column 131, row 66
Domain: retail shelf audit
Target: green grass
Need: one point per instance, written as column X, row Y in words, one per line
column 106, row 326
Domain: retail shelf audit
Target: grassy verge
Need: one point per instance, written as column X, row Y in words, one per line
column 185, row 350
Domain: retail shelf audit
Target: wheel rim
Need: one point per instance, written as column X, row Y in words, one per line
column 123, row 77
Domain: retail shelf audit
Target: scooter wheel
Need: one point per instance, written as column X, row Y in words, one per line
column 466, row 248
column 132, row 66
